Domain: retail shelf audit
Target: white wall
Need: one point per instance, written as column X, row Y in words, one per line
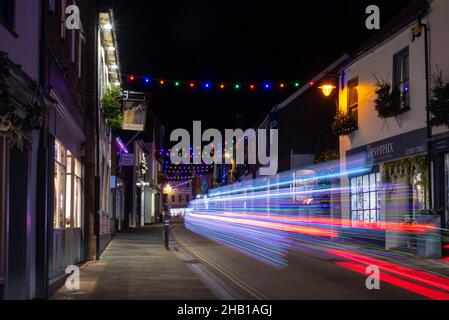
column 183, row 189
column 379, row 63
column 24, row 49
column 439, row 41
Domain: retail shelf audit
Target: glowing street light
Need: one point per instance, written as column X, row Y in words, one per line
column 168, row 188
column 107, row 26
column 327, row 89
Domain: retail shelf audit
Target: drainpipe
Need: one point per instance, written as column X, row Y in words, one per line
column 98, row 194
column 429, row 127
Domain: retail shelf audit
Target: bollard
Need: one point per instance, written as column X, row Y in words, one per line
column 167, row 232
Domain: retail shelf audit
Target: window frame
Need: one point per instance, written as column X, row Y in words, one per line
column 72, row 168
column 10, row 26
column 398, row 75
column 60, row 164
column 358, row 214
column 52, row 6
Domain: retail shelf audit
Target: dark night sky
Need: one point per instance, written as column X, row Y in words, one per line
column 234, row 41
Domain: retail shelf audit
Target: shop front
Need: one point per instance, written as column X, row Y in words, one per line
column 68, row 208
column 394, row 190
column 67, row 187
column 20, row 145
column 441, row 168
column 440, row 150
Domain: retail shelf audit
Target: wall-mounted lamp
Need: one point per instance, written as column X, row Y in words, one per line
column 327, row 89
column 106, row 26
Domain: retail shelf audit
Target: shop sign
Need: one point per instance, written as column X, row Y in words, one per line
column 113, row 182
column 134, row 115
column 127, row 160
column 405, row 145
column 441, row 146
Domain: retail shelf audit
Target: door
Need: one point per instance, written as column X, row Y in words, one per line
column 446, row 165
column 3, row 197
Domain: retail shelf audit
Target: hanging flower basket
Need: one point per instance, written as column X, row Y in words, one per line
column 344, row 124
column 112, row 107
column 327, row 156
column 439, row 103
column 389, row 102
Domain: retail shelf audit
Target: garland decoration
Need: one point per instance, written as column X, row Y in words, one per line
column 408, row 168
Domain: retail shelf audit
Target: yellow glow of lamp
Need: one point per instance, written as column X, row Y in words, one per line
column 168, row 188
column 327, row 89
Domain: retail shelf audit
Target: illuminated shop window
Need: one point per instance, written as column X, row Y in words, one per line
column 68, row 189
column 365, row 198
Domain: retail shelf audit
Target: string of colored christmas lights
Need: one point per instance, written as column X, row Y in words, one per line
column 182, row 172
column 206, row 85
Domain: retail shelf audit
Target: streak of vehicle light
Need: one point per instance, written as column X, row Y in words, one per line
column 416, row 275
column 407, row 285
column 272, row 225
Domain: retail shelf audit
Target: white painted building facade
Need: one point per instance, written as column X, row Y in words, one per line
column 390, row 144
column 439, row 61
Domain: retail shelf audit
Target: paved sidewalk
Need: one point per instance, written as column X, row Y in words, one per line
column 136, row 266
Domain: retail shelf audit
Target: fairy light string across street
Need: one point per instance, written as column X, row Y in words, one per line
column 208, row 85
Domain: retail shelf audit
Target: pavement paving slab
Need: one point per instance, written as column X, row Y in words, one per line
column 136, row 266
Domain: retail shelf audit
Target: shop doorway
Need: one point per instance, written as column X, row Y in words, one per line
column 446, row 183
column 3, row 196
column 139, row 199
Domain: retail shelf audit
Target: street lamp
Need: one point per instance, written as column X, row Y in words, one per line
column 107, row 26
column 327, row 89
column 168, row 188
